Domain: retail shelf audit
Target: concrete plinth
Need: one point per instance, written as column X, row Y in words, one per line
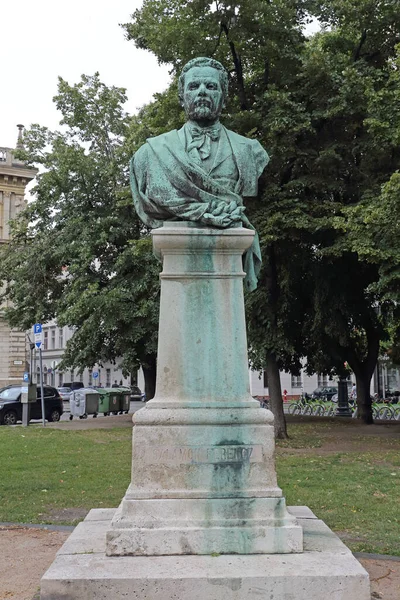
column 326, row 569
column 203, row 472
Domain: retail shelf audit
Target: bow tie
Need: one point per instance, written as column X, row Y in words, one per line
column 201, row 139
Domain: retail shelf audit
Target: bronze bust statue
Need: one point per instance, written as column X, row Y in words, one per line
column 202, row 171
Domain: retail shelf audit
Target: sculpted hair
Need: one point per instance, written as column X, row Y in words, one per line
column 203, row 61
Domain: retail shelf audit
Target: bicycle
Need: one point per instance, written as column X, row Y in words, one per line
column 302, row 406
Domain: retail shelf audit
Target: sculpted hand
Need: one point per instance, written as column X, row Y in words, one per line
column 222, row 214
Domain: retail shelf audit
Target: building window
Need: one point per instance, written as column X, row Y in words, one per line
column 296, row 381
column 81, row 377
column 265, row 379
column 52, row 338
column 108, row 377
column 38, row 375
column 61, row 338
column 45, row 340
column 45, row 375
column 90, row 377
column 72, row 375
column 322, row 380
column 60, row 379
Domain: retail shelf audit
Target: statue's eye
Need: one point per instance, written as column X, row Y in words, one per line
column 211, row 86
column 193, row 85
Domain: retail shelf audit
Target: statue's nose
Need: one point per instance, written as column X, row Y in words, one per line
column 202, row 90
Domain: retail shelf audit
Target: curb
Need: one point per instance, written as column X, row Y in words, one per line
column 49, row 526
column 376, row 556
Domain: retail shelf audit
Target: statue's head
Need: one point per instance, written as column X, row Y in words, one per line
column 203, row 89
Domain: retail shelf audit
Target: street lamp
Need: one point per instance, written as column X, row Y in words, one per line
column 343, row 409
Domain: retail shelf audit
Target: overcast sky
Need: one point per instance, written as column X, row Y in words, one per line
column 42, row 39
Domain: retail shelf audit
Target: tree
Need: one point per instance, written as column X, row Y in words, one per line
column 78, row 251
column 233, row 35
column 310, row 102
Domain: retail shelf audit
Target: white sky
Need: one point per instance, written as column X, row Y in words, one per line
column 42, row 39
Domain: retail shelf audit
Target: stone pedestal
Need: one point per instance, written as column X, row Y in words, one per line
column 203, row 517
column 203, row 473
column 326, row 569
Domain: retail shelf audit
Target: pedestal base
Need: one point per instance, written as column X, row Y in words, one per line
column 326, row 568
column 203, row 482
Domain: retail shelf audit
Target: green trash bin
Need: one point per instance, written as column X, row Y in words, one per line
column 125, row 399
column 115, row 400
column 104, row 400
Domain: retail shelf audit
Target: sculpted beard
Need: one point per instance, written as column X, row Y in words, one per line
column 202, row 108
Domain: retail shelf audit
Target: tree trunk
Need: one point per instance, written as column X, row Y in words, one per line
column 150, row 373
column 275, row 397
column 364, row 403
column 363, row 370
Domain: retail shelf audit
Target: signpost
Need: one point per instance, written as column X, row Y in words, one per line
column 38, row 333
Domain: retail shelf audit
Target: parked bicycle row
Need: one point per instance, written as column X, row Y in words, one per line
column 308, row 407
column 328, row 409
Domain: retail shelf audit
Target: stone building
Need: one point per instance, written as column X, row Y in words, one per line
column 14, row 177
column 55, row 339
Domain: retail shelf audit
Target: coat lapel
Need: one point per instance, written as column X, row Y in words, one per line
column 224, row 150
column 244, row 160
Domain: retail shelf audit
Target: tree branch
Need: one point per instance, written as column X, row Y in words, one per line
column 357, row 51
column 238, row 68
column 266, row 74
column 218, row 41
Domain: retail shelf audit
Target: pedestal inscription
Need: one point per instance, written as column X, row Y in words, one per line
column 200, row 454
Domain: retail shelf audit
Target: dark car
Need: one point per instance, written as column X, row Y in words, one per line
column 324, row 393
column 74, row 385
column 137, row 394
column 11, row 406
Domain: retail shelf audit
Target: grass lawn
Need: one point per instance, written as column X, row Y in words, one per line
column 349, row 476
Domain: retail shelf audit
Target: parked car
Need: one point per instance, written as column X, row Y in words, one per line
column 137, row 394
column 11, row 406
column 75, row 385
column 324, row 393
column 65, row 393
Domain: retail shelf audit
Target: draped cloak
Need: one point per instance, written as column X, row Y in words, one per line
column 167, row 184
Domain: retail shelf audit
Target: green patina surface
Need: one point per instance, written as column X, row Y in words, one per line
column 213, row 322
column 203, row 171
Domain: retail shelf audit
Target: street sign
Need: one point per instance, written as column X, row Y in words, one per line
column 95, row 374
column 38, row 333
column 26, row 376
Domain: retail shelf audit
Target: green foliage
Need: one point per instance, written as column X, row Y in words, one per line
column 326, row 109
column 78, row 252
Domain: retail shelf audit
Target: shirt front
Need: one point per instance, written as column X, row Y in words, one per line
column 220, row 163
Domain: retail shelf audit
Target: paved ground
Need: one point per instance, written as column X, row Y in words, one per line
column 26, row 553
column 66, row 418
